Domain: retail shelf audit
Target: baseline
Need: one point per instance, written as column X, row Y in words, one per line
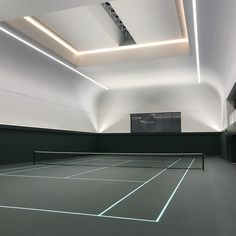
column 74, row 213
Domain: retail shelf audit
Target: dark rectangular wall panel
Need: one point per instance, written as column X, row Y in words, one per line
column 208, row 143
column 17, row 144
column 228, row 143
column 233, row 148
column 156, row 122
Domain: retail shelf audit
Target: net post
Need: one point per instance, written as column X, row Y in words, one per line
column 34, row 158
column 203, row 161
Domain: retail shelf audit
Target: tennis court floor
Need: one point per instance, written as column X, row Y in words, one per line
column 110, row 200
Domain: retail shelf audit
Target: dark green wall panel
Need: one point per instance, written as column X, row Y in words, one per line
column 230, row 147
column 18, row 143
column 209, row 143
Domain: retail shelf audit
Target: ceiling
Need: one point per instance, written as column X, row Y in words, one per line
column 165, row 27
column 149, row 21
column 217, row 36
column 18, row 8
column 83, row 27
column 90, row 27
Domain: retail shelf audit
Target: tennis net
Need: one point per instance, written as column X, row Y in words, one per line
column 135, row 160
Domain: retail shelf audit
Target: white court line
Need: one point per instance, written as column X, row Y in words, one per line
column 127, row 218
column 75, row 213
column 21, row 167
column 16, row 168
column 72, row 161
column 106, row 159
column 172, row 195
column 121, row 163
column 101, row 168
column 114, row 180
column 63, row 178
column 37, row 168
column 107, row 216
column 87, row 160
column 146, row 182
column 70, row 176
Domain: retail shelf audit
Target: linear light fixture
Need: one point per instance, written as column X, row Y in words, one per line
column 135, row 46
column 50, row 33
column 196, row 40
column 57, row 38
column 182, row 18
column 13, row 35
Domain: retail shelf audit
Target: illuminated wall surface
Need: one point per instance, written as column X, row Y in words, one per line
column 37, row 92
column 199, row 107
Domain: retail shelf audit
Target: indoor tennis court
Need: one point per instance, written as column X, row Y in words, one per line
column 71, row 196
column 117, row 118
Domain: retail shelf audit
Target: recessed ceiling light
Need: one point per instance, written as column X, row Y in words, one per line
column 57, row 38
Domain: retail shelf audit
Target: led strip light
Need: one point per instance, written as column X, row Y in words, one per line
column 136, row 46
column 196, row 40
column 13, row 35
column 58, row 39
column 50, row 33
column 47, row 31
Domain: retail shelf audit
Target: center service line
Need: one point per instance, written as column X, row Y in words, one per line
column 138, row 188
column 172, row 195
column 100, row 168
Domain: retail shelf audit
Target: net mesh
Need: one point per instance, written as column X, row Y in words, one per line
column 135, row 160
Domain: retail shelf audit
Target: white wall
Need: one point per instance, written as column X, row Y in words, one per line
column 217, row 37
column 37, row 92
column 199, row 105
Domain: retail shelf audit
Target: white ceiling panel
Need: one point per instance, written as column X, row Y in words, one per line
column 86, row 28
column 17, row 8
column 149, row 20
